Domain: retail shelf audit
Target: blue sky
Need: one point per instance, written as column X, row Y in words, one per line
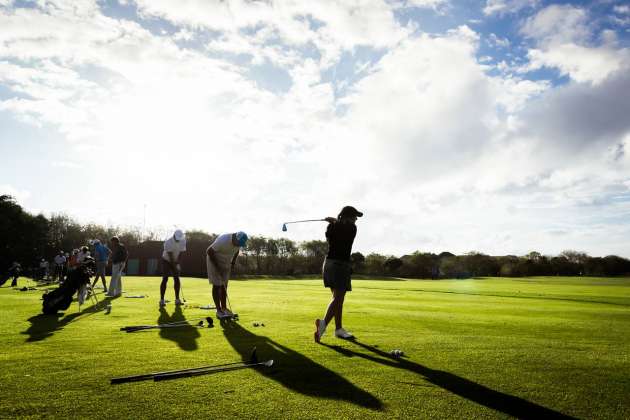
column 498, row 126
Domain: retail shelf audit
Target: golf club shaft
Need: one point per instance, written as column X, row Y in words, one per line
column 302, row 221
column 148, row 376
column 203, row 371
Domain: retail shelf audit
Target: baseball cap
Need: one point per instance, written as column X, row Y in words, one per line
column 178, row 235
column 349, row 211
column 241, row 238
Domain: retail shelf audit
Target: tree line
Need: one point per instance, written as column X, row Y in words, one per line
column 26, row 238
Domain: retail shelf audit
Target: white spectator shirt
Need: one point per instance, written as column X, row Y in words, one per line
column 60, row 260
column 43, row 264
column 171, row 245
column 82, row 256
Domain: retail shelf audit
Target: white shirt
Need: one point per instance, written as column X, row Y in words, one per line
column 171, row 245
column 43, row 264
column 60, row 259
column 224, row 249
column 81, row 256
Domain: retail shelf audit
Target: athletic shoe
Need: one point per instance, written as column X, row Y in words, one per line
column 227, row 313
column 220, row 314
column 341, row 333
column 178, row 302
column 320, row 329
column 162, row 303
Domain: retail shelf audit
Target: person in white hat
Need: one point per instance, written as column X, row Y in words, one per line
column 173, row 247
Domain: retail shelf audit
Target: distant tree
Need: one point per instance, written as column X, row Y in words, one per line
column 199, row 236
column 392, row 265
column 358, row 262
column 453, row 267
column 374, row 264
column 315, row 252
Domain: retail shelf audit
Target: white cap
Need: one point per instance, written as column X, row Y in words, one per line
column 178, row 235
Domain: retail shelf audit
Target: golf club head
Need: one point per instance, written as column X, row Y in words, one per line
column 284, row 227
column 268, row 363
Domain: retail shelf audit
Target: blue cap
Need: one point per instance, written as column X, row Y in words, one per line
column 241, row 238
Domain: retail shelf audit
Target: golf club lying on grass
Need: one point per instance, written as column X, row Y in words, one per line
column 176, row 324
column 253, row 361
column 284, row 225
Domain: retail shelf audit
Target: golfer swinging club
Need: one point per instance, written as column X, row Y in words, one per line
column 173, row 247
column 337, row 268
column 220, row 259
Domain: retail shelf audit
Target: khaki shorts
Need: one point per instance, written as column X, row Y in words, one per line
column 214, row 277
column 101, row 266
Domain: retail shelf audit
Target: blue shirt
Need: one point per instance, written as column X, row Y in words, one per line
column 101, row 252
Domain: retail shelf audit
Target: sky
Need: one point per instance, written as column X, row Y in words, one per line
column 497, row 126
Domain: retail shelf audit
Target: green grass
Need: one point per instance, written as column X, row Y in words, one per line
column 491, row 348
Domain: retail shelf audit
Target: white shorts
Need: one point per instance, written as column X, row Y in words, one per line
column 214, row 277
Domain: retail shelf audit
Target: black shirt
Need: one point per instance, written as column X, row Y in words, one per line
column 119, row 254
column 340, row 237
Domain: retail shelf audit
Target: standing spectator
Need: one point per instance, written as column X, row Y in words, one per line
column 101, row 255
column 84, row 252
column 119, row 260
column 340, row 235
column 43, row 269
column 173, row 247
column 14, row 272
column 60, row 262
column 220, row 259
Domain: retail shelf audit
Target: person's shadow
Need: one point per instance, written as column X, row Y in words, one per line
column 296, row 371
column 44, row 326
column 185, row 336
column 496, row 400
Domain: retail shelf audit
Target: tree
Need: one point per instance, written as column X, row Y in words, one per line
column 358, row 262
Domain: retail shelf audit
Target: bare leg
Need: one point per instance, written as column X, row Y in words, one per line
column 335, row 308
column 163, row 287
column 177, row 286
column 223, row 294
column 216, row 297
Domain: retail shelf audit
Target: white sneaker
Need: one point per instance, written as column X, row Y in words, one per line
column 227, row 313
column 220, row 314
column 320, row 329
column 162, row 303
column 341, row 333
column 178, row 302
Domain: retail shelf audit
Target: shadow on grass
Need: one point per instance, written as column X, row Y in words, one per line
column 44, row 326
column 185, row 337
column 499, row 401
column 296, row 371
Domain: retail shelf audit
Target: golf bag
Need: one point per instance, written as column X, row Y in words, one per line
column 61, row 298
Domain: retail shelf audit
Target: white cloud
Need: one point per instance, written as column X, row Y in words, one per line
column 502, row 7
column 20, row 195
column 437, row 152
column 563, row 37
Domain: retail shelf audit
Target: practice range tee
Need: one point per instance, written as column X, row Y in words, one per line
column 171, row 245
column 340, row 237
column 224, row 250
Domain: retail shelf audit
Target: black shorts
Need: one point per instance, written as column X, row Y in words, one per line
column 169, row 269
column 337, row 274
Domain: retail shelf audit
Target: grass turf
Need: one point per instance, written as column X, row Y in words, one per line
column 491, row 348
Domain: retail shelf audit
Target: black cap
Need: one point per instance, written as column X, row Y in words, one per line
column 349, row 211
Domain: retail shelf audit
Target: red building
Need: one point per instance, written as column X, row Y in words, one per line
column 144, row 259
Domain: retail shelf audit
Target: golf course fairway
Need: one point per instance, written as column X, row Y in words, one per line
column 475, row 348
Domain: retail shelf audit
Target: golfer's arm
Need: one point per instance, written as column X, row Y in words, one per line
column 213, row 258
column 170, row 257
column 234, row 257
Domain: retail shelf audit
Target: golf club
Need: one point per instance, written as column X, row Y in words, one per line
column 284, row 225
column 205, row 371
column 176, row 324
column 148, row 376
